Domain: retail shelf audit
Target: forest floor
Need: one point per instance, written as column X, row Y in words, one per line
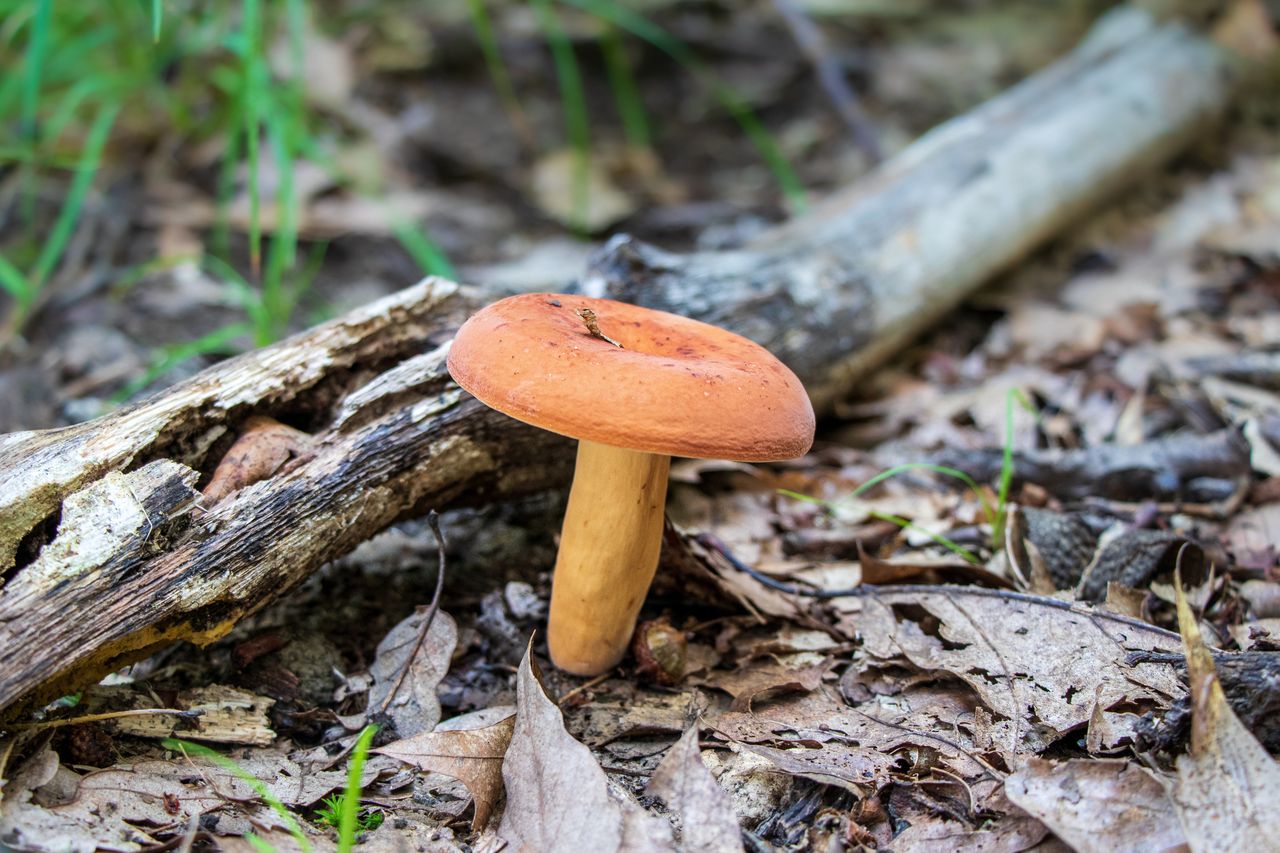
column 1113, row 402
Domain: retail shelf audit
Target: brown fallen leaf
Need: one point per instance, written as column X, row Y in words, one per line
column 818, row 737
column 414, row 705
column 262, row 449
column 472, row 756
column 558, row 797
column 1224, row 794
column 761, row 682
column 52, row 809
column 1099, row 806
column 683, row 781
column 1039, row 664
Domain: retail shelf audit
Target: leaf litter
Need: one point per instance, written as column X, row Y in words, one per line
column 863, row 685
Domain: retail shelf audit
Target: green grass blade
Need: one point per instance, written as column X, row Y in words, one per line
column 254, row 86
column 217, row 341
column 497, row 68
column 14, row 283
column 937, row 469
column 282, row 253
column 906, row 524
column 157, row 12
column 249, row 300
column 429, row 257
column 259, row 788
column 643, row 28
column 37, row 50
column 574, row 101
column 258, row 844
column 351, row 796
column 635, row 124
column 90, row 159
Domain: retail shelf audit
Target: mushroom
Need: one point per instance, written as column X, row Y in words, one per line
column 635, row 386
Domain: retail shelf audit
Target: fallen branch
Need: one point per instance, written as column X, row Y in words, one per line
column 837, row 292
column 107, row 550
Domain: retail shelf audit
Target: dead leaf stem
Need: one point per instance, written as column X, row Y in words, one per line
column 586, row 685
column 108, row 715
column 433, row 521
column 949, row 590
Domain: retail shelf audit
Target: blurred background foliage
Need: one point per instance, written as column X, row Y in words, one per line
column 202, row 176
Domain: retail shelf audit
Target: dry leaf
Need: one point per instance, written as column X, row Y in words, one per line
column 263, row 447
column 689, row 790
column 1097, row 806
column 577, row 192
column 558, row 798
column 114, row 809
column 472, row 756
column 414, row 706
column 820, row 738
column 1225, row 791
column 1038, row 663
column 762, row 681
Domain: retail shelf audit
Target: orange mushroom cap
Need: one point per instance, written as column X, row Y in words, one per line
column 676, row 386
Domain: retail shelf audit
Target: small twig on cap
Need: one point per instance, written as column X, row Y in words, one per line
column 593, row 326
column 433, row 521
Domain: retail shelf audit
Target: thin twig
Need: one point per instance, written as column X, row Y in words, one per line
column 433, row 521
column 593, row 326
column 108, row 715
column 814, row 45
column 870, row 591
column 586, row 685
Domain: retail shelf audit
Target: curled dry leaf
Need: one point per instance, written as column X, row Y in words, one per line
column 1224, row 794
column 412, row 702
column 472, row 756
column 558, row 797
column 1097, row 806
column 689, row 790
column 262, row 449
column 1039, row 664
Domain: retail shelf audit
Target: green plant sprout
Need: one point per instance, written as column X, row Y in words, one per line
column 344, row 808
column 347, row 822
column 329, row 813
column 996, row 516
column 259, row 787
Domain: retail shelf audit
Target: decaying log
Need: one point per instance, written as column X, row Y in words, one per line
column 137, row 560
column 836, row 292
column 107, row 550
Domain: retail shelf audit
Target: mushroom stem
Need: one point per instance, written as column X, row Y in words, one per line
column 609, row 548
